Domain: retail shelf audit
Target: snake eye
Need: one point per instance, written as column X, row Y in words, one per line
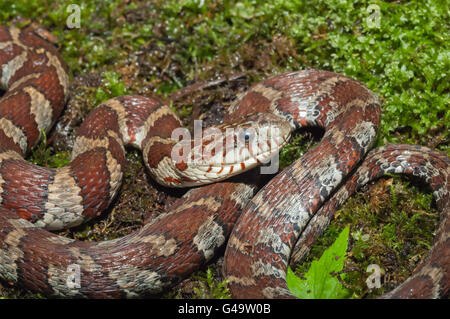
column 246, row 135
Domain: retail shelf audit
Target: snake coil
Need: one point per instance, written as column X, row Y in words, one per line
column 284, row 216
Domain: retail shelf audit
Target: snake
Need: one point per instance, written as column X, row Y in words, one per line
column 262, row 228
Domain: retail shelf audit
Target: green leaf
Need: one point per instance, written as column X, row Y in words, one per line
column 319, row 282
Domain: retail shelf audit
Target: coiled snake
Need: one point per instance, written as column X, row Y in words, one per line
column 297, row 203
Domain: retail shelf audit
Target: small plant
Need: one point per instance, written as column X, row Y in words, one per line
column 210, row 289
column 295, row 149
column 320, row 281
column 113, row 87
column 42, row 155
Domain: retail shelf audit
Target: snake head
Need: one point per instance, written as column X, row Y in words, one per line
column 229, row 149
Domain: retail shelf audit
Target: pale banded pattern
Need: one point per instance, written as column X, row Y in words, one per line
column 12, row 252
column 83, row 144
column 162, row 111
column 241, row 193
column 364, row 134
column 8, row 69
column 122, row 118
column 9, row 155
column 62, row 74
column 41, row 109
column 58, row 282
column 14, row 132
column 136, row 282
column 210, row 236
column 62, row 208
column 328, row 174
column 261, row 268
column 24, row 79
column 162, row 246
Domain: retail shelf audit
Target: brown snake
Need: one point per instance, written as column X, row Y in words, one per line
column 295, row 205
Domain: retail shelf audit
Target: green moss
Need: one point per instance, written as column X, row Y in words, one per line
column 297, row 146
column 209, row 288
column 112, row 87
column 43, row 155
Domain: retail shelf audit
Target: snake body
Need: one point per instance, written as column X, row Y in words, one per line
column 179, row 241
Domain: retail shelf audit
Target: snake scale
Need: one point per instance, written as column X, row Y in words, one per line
column 283, row 218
